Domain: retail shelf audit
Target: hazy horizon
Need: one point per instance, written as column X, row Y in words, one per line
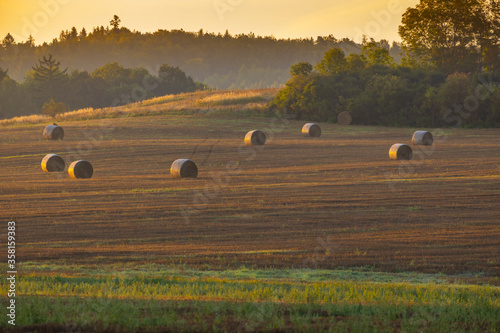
column 44, row 19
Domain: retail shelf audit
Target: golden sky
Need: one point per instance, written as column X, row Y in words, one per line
column 44, row 19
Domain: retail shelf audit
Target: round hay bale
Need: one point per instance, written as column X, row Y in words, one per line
column 312, row 130
column 255, row 138
column 400, row 151
column 53, row 163
column 344, row 118
column 53, row 132
column 422, row 138
column 183, row 168
column 80, row 169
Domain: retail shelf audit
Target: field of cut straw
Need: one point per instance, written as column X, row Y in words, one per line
column 301, row 234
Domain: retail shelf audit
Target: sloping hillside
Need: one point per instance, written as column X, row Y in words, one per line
column 225, row 102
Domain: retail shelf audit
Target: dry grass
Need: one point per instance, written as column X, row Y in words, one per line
column 211, row 101
column 83, row 114
column 237, row 97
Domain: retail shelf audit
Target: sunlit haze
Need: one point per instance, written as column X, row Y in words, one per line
column 44, row 19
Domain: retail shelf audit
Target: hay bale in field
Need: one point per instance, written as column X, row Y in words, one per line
column 422, row 138
column 53, row 132
column 80, row 169
column 53, row 163
column 255, row 138
column 183, row 168
column 344, row 118
column 312, row 130
column 400, row 151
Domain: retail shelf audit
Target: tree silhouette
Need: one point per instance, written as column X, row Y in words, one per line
column 115, row 22
column 82, row 34
column 48, row 79
column 174, row 81
column 8, row 40
column 30, row 41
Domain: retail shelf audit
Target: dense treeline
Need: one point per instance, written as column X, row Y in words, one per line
column 217, row 60
column 449, row 74
column 378, row 92
column 50, row 89
column 108, row 65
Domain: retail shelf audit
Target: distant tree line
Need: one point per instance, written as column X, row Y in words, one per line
column 220, row 61
column 50, row 89
column 102, row 67
column 449, row 74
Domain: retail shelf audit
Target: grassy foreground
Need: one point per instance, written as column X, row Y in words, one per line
column 178, row 299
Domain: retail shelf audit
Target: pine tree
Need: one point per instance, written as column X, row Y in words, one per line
column 115, row 22
column 31, row 41
column 48, row 79
column 83, row 34
column 8, row 40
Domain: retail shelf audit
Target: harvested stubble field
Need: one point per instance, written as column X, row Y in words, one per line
column 332, row 202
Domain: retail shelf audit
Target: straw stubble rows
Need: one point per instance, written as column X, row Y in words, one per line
column 333, row 201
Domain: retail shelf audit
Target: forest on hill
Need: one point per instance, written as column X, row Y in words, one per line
column 49, row 89
column 113, row 65
column 220, row 61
